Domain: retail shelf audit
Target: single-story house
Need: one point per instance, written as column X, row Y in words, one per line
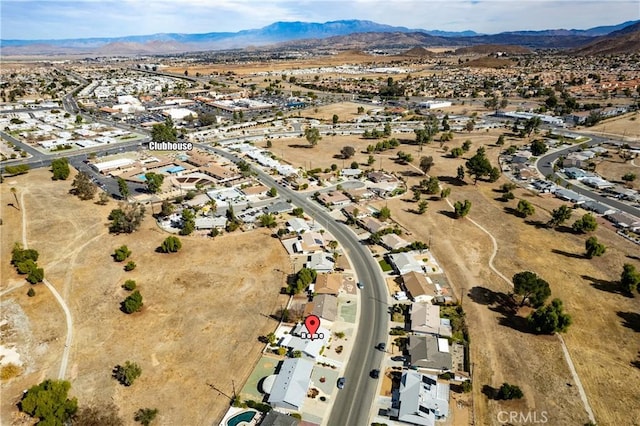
column 297, row 225
column 325, row 306
column 405, row 262
column 421, row 399
column 419, row 286
column 598, row 208
column 379, row 176
column 320, row 262
column 597, row 182
column 568, row 195
column 622, row 220
column 357, row 194
column 355, row 211
column 218, row 222
column 429, row 352
column 289, row 389
column 393, row 241
column 328, row 283
column 425, row 319
column 310, row 242
column 372, row 224
column 334, row 198
column 275, row 418
column 351, row 173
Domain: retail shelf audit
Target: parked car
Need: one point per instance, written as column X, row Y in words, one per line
column 360, row 285
column 381, row 346
column 341, row 381
column 375, row 374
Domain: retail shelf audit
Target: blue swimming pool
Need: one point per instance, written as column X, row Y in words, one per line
column 245, row 416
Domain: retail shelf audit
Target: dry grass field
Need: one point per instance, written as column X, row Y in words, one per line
column 603, row 338
column 204, row 307
column 626, row 126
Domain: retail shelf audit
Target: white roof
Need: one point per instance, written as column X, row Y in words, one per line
column 290, row 387
column 113, row 164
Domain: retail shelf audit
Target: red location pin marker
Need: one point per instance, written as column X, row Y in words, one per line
column 312, row 323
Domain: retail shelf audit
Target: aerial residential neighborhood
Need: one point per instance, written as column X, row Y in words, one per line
column 339, row 223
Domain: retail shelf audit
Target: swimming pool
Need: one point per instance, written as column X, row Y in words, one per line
column 245, row 416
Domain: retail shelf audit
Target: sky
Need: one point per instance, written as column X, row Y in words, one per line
column 54, row 19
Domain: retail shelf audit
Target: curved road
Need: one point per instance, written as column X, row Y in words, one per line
column 545, row 168
column 353, row 403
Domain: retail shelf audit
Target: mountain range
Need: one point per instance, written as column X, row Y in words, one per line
column 306, row 35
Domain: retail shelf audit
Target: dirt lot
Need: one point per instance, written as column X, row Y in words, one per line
column 614, row 167
column 202, row 307
column 601, row 338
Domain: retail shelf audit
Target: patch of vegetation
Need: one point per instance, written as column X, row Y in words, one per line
column 127, row 374
column 48, row 402
column 384, row 265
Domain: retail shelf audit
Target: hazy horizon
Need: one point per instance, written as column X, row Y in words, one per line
column 53, row 19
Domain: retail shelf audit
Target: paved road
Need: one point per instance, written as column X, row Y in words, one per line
column 545, row 168
column 352, row 404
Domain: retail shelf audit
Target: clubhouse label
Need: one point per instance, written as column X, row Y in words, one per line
column 170, row 146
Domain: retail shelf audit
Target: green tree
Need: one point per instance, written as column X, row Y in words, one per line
column 417, row 194
column 538, row 147
column 127, row 374
column 586, row 223
column 525, row 208
column 335, row 119
column 460, row 173
column 404, row 157
column 273, row 192
column 166, row 208
column 83, row 187
column 130, row 266
column 445, row 193
column 298, row 212
column 164, row 132
column 500, row 141
column 49, row 402
column 31, row 292
column 560, row 215
column 304, row 277
column 347, row 152
column 154, row 182
column 456, row 152
column 431, row 185
column 312, row 134
column 123, row 188
column 60, row 169
column 630, row 278
column 126, row 219
column 171, row 244
column 188, row 220
column 507, row 392
column 146, row 415
column 384, row 213
column 466, row 145
column 594, row 248
column 133, row 303
column 531, row 287
column 422, row 206
column 425, row 164
column 268, row 220
column 129, row 285
column 461, row 209
column 121, row 253
column 479, row 166
column 550, row 319
column 494, row 174
column 629, row 177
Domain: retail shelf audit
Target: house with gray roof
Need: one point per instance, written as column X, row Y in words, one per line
column 275, row 418
column 325, row 306
column 421, row 399
column 598, row 208
column 289, row 389
column 429, row 352
column 568, row 195
column 405, row 262
column 320, row 261
column 425, row 319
